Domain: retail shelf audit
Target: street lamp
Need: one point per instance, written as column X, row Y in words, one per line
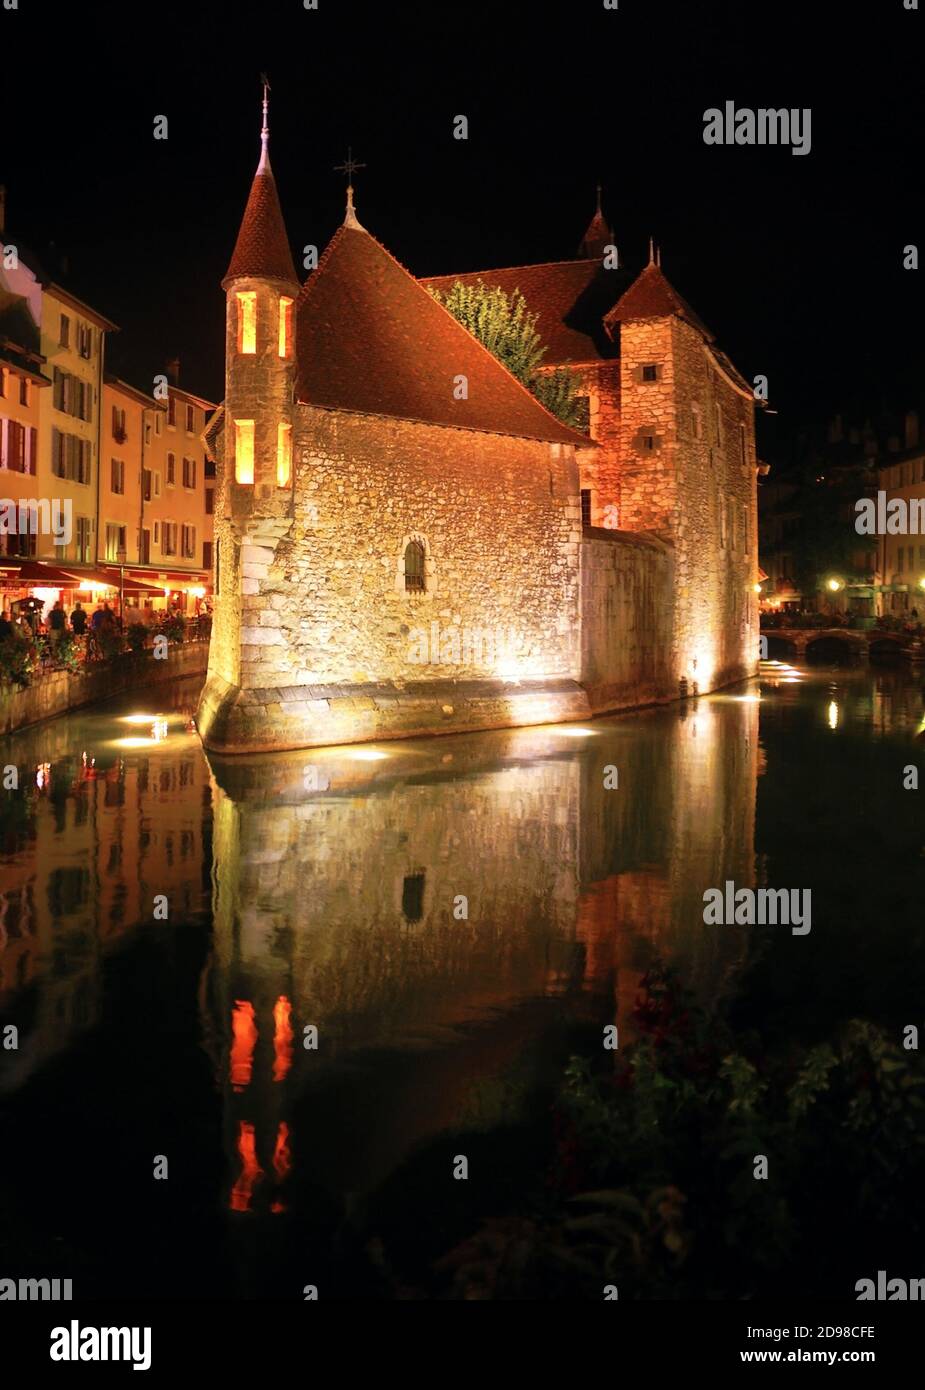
column 121, row 557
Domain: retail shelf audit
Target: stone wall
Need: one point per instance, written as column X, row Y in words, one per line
column 626, row 634
column 59, row 691
column 600, row 468
column 319, row 603
column 686, row 477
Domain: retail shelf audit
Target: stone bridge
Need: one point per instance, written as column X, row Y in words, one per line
column 861, row 643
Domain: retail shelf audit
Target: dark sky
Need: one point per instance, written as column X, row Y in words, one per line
column 794, row 262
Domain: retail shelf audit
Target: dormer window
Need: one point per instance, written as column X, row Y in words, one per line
column 247, row 320
column 285, row 326
column 244, row 451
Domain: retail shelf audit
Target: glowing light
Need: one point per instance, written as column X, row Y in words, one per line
column 244, row 451
column 569, row 731
column 285, row 326
column 159, row 730
column 134, row 742
column 247, row 320
column 922, row 582
column 756, row 588
column 366, row 755
column 244, row 1035
column 834, row 585
column 251, row 1171
column 833, row 715
column 748, row 699
column 197, row 590
column 46, row 595
column 283, row 454
column 282, row 1037
column 139, row 718
column 43, row 775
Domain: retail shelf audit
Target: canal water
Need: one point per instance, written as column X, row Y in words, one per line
column 264, row 1007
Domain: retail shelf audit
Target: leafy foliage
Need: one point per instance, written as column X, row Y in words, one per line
column 506, row 327
column 653, row 1185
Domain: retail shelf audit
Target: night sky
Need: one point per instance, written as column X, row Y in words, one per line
column 794, row 262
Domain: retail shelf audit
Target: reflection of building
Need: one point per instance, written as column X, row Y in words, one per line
column 97, row 836
column 339, row 908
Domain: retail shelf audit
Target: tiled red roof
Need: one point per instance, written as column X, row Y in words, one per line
column 262, row 247
column 650, row 296
column 370, row 338
column 569, row 298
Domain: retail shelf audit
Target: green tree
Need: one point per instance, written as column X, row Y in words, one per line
column 505, row 326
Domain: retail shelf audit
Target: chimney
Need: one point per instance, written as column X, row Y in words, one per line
column 173, row 370
column 2, row 209
column 912, row 429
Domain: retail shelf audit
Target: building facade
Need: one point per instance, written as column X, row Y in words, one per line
column 404, row 535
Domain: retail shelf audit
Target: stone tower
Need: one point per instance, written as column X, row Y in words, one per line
column 256, row 477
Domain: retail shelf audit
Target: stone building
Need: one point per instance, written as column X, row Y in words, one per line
column 407, row 542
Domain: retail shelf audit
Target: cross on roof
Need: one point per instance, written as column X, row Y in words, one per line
column 349, row 166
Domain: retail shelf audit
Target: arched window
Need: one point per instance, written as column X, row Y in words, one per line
column 414, row 567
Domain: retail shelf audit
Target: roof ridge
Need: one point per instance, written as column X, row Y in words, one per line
column 527, row 265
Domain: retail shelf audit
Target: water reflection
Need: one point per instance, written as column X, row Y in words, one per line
column 404, row 945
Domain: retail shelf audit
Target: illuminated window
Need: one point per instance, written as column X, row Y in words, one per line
column 244, row 451
column 247, row 320
column 285, row 326
column 283, row 454
column 414, row 567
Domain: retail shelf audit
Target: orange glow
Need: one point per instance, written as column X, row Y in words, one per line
column 285, row 326
column 244, row 1033
column 247, row 320
column 282, row 1037
column 244, row 451
column 282, row 1158
column 283, row 454
column 251, row 1171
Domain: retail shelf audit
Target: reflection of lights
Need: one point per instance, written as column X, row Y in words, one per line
column 43, row 775
column 251, row 1171
column 833, row 715
column 570, row 731
column 244, row 1035
column 139, row 718
column 159, row 730
column 282, row 1037
column 790, row 680
column 367, row 755
column 134, row 742
column 748, row 699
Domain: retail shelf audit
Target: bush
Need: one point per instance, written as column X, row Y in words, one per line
column 137, row 636
column 174, row 627
column 67, row 651
column 19, row 657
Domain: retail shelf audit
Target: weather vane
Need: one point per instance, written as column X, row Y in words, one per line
column 349, row 166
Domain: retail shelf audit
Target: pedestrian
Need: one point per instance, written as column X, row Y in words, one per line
column 78, row 620
column 57, row 621
column 6, row 625
column 96, row 622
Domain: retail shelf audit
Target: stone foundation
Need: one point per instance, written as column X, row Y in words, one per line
column 232, row 720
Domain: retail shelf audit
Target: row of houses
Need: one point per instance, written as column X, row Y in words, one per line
column 121, row 472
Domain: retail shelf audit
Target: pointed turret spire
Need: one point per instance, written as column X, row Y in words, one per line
column 265, row 131
column 349, row 167
column 598, row 236
column 262, row 248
